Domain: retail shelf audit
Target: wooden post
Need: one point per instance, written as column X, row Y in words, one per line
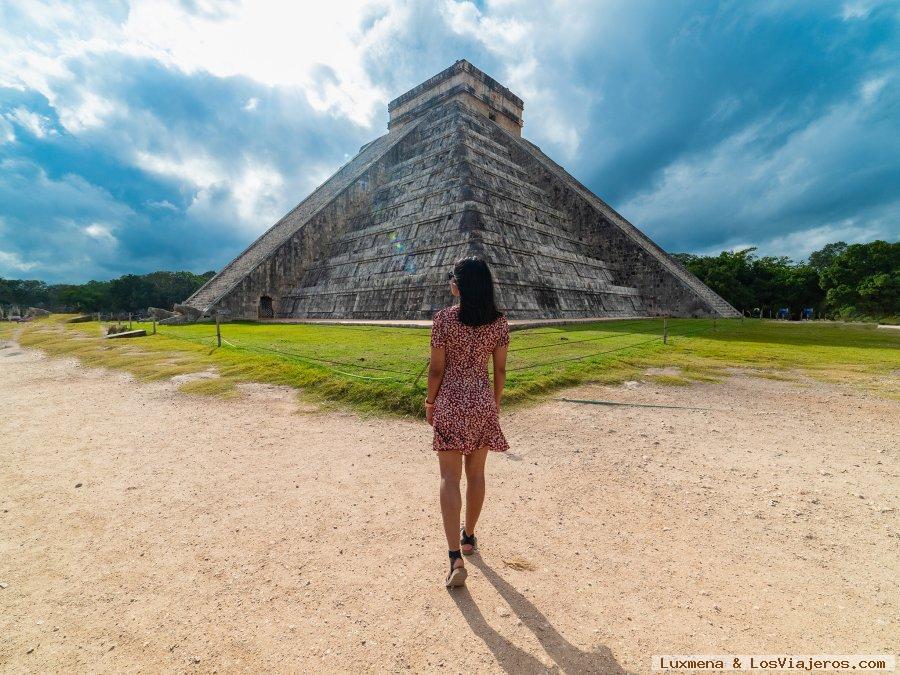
column 714, row 324
column 154, row 325
column 218, row 329
column 129, row 320
column 665, row 330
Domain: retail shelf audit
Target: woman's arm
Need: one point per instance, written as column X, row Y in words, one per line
column 499, row 359
column 435, row 377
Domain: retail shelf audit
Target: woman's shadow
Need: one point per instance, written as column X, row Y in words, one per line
column 512, row 659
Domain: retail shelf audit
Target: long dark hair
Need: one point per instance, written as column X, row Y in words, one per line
column 477, row 305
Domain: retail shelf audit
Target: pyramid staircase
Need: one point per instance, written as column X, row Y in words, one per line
column 454, row 192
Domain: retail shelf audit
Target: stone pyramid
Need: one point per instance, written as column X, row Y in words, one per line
column 453, row 177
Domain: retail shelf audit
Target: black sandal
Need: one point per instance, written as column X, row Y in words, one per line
column 457, row 575
column 467, row 540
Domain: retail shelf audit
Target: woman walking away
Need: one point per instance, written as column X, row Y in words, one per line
column 460, row 405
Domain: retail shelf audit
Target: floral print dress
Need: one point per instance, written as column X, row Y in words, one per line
column 465, row 413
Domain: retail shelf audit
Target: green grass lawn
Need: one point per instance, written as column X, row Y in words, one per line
column 375, row 368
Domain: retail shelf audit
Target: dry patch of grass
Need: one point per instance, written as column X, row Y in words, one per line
column 144, row 364
column 684, row 376
column 218, row 386
column 860, row 378
column 520, row 564
column 669, row 380
column 773, row 375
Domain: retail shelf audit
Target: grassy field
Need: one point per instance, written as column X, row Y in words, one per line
column 376, row 368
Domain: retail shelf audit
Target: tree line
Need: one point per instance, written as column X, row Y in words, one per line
column 840, row 281
column 128, row 293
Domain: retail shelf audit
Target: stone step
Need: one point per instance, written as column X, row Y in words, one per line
column 437, row 279
column 667, row 262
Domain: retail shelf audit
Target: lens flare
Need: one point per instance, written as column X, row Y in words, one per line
column 400, row 248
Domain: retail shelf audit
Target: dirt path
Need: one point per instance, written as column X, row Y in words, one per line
column 220, row 536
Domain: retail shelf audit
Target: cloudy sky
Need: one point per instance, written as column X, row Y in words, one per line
column 137, row 136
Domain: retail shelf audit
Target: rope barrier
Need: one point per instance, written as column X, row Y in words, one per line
column 571, row 342
column 327, row 363
column 196, row 340
column 607, row 351
column 300, row 357
column 586, row 356
column 575, row 342
column 572, row 326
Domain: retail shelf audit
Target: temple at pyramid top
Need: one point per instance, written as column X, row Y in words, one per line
column 453, row 177
column 464, row 82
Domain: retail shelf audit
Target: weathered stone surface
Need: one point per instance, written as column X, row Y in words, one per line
column 84, row 318
column 189, row 311
column 36, row 312
column 127, row 334
column 160, row 314
column 376, row 240
column 460, row 82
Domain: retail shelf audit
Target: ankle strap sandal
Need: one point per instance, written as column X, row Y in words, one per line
column 467, row 540
column 457, row 575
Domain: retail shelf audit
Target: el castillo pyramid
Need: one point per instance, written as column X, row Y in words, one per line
column 453, row 177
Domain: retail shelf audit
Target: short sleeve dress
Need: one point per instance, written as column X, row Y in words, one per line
column 465, row 413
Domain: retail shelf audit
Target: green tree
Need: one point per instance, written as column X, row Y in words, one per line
column 23, row 292
column 824, row 256
column 780, row 282
column 729, row 274
column 864, row 279
column 129, row 293
column 133, row 293
column 748, row 282
column 92, row 296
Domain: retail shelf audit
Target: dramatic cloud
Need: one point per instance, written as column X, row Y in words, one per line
column 167, row 135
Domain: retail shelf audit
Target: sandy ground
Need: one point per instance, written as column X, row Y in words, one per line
column 142, row 529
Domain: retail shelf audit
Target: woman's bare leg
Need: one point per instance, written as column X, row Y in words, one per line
column 451, row 501
column 474, row 487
